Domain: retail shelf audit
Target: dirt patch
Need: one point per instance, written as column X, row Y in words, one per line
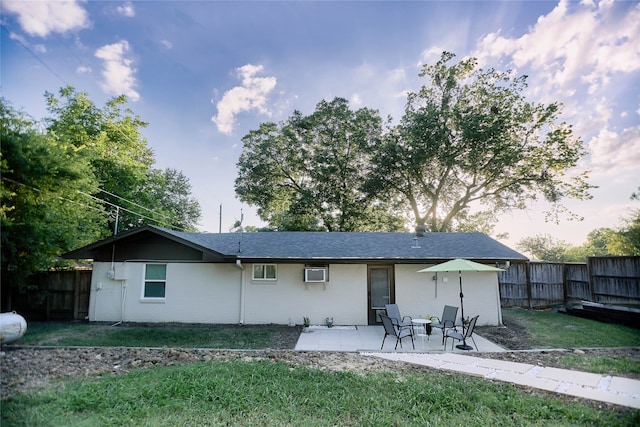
column 513, row 337
column 27, row 368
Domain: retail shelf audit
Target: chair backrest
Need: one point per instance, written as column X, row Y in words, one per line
column 388, row 325
column 393, row 311
column 471, row 327
column 449, row 315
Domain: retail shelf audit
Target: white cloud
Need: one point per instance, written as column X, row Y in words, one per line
column 127, row 10
column 584, row 42
column 616, row 153
column 166, row 43
column 356, row 101
column 430, row 55
column 118, row 73
column 83, row 69
column 40, row 48
column 251, row 95
column 40, row 18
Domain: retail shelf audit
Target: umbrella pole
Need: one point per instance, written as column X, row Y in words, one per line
column 464, row 345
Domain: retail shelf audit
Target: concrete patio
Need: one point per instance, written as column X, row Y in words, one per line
column 369, row 338
column 430, row 352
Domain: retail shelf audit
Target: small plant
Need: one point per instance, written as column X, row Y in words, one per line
column 306, row 322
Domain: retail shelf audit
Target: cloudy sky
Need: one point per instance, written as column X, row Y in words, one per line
column 205, row 73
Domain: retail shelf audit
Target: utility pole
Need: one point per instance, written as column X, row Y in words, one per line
column 115, row 225
column 220, row 228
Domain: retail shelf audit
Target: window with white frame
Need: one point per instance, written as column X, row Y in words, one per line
column 155, row 281
column 264, row 272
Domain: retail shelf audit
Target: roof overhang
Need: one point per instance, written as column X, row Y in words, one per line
column 93, row 250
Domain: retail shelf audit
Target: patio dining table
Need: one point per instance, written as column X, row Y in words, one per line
column 422, row 324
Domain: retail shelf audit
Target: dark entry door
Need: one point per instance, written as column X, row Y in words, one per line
column 380, row 289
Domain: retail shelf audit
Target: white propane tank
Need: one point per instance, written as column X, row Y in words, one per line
column 12, row 327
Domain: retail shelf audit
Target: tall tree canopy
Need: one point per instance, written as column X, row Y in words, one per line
column 64, row 179
column 469, row 139
column 110, row 139
column 44, row 207
column 468, row 147
column 307, row 173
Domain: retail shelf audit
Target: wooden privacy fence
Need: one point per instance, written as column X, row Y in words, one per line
column 608, row 280
column 54, row 295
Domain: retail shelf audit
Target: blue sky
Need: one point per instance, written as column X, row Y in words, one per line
column 205, row 73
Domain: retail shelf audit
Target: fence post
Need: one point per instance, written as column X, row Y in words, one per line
column 565, row 297
column 76, row 293
column 47, row 293
column 590, row 275
column 528, row 278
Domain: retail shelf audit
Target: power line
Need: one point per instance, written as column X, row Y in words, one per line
column 118, row 130
column 134, row 203
column 49, row 192
column 168, row 225
column 40, row 60
column 125, row 209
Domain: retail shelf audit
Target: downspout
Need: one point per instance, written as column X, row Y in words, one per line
column 242, row 290
column 123, row 295
column 112, row 270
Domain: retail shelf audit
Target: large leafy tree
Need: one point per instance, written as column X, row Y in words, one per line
column 627, row 240
column 307, row 173
column 64, row 180
column 166, row 194
column 545, row 247
column 110, row 139
column 470, row 146
column 45, row 210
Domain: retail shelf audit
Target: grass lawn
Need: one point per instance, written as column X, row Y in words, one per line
column 271, row 393
column 101, row 335
column 249, row 393
column 550, row 329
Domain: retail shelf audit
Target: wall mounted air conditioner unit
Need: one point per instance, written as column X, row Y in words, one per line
column 315, row 274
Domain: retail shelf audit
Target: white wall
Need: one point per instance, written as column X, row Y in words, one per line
column 223, row 293
column 195, row 293
column 343, row 297
column 211, row 293
column 418, row 295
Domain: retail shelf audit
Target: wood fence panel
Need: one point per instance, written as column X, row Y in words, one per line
column 547, row 286
column 615, row 280
column 81, row 298
column 60, row 293
column 609, row 280
column 513, row 286
column 54, row 295
column 576, row 278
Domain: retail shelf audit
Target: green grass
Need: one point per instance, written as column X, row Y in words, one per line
column 242, row 393
column 100, row 335
column 601, row 364
column 550, row 329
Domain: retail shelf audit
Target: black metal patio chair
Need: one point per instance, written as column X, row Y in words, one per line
column 393, row 311
column 468, row 333
column 447, row 321
column 399, row 333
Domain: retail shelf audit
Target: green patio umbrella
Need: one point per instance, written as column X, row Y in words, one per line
column 459, row 265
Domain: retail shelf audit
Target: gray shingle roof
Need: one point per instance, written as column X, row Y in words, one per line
column 283, row 246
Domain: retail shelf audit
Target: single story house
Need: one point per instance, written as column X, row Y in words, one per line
column 153, row 274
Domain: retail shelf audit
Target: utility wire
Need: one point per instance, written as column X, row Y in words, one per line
column 134, row 203
column 125, row 209
column 124, row 136
column 40, row 60
column 49, row 192
column 168, row 225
